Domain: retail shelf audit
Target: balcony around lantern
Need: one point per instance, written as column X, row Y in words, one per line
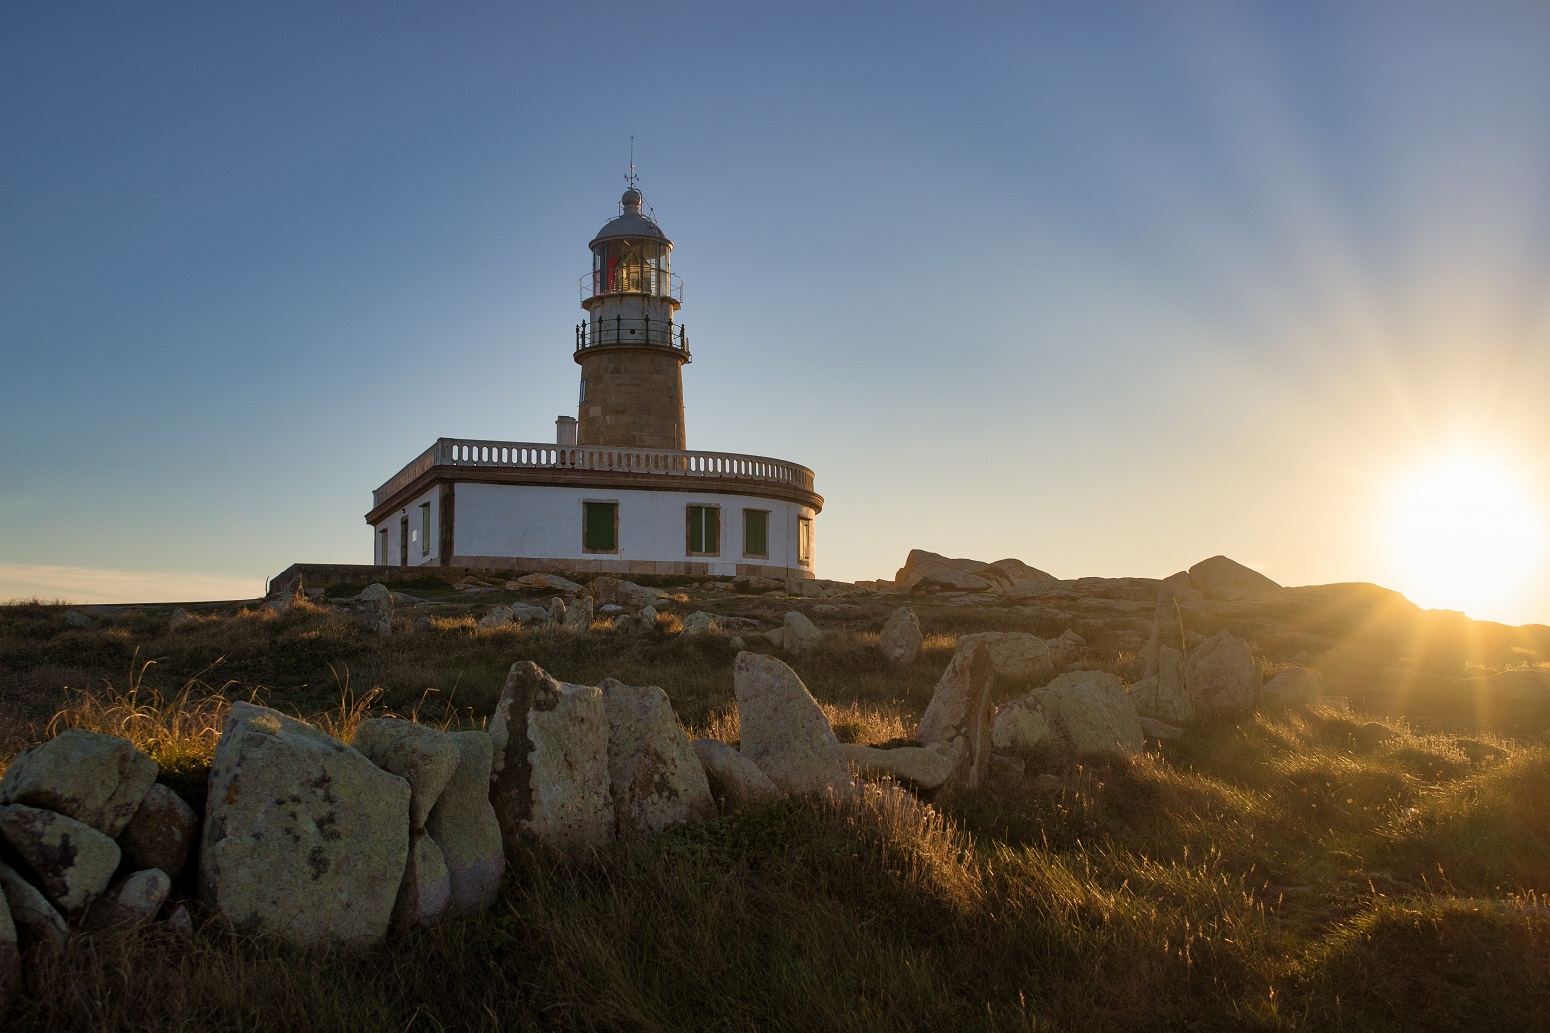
column 660, row 333
column 650, row 281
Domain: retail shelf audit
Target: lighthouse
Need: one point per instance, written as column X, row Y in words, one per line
column 618, row 490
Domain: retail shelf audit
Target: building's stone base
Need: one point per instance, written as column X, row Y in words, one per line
column 606, row 565
column 365, row 573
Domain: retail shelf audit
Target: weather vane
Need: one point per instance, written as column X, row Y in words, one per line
column 632, row 179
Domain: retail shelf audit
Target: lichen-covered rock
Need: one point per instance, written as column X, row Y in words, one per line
column 1020, row 724
column 1156, row 729
column 91, row 777
column 377, row 604
column 949, row 717
column 525, row 614
column 801, row 634
column 1293, row 686
column 901, row 638
column 556, row 610
column 426, row 889
column 133, row 899
column 926, row 767
column 609, row 589
column 654, row 777
column 1222, row 675
column 1093, row 714
column 971, row 767
column 701, row 623
column 1014, row 655
column 735, row 781
column 424, row 757
column 71, row 861
column 783, row 730
column 463, row 824
column 161, row 833
column 579, row 615
column 1163, row 691
column 548, row 582
column 495, row 617
column 551, row 781
column 304, row 838
column 37, row 921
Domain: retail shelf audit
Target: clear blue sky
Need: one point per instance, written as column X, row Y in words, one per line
column 1106, row 287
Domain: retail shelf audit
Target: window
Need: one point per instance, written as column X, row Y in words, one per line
column 805, row 541
column 382, row 557
column 600, row 527
column 425, row 529
column 756, row 533
column 704, row 527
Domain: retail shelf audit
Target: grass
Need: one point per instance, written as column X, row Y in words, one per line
column 1313, row 869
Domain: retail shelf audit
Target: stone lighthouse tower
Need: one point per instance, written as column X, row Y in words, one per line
column 630, row 351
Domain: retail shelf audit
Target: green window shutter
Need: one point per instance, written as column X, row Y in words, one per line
column 712, row 530
column 598, row 519
column 703, row 525
column 756, row 532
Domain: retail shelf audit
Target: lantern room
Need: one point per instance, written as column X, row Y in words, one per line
column 631, row 255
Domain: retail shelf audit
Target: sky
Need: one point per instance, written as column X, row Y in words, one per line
column 1106, row 287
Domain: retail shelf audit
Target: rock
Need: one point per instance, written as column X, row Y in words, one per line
column 1523, row 685
column 579, row 615
column 424, row 757
column 1221, row 577
column 94, row 778
column 557, row 610
column 971, row 769
column 926, row 571
column 1184, row 591
column 754, row 584
column 37, row 921
column 551, row 781
column 1163, row 692
column 735, row 781
column 10, row 959
column 522, row 613
column 1222, row 675
column 775, row 637
column 737, row 643
column 495, row 617
column 179, row 618
column 77, row 619
column 901, row 638
column 161, row 833
column 1292, row 687
column 783, row 730
column 548, row 583
column 611, row 608
column 609, row 589
column 426, row 888
column 1155, row 729
column 1067, row 647
column 180, row 921
column 304, row 838
column 801, row 634
column 1020, row 725
column 375, row 593
column 1014, row 655
column 464, row 825
column 132, row 900
column 1015, row 572
column 71, row 861
column 701, row 623
column 924, row 766
column 653, row 774
column 949, row 717
column 1092, row 713
column 377, row 602
column 1007, row 771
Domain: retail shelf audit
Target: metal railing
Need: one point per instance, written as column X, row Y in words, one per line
column 647, row 280
column 660, row 462
column 661, row 332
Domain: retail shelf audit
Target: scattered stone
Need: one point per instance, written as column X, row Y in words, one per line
column 548, row 583
column 179, row 618
column 1163, row 691
column 1094, row 715
column 609, row 589
column 71, row 861
column 426, row 888
column 130, row 901
column 304, row 838
column 1294, row 686
column 1020, row 725
column 1156, row 729
column 495, row 617
column 972, row 767
column 375, row 593
column 901, row 639
column 950, row 716
column 1067, row 647
column 801, row 634
column 1014, row 655
column 37, row 921
column 737, row 643
column 377, row 603
column 424, row 757
column 77, row 619
column 654, row 776
column 551, row 763
column 776, row 638
column 180, row 921
column 557, row 610
column 735, row 781
column 1221, row 577
column 926, row 767
column 754, row 584
column 522, row 613
column 161, row 833
column 464, row 825
column 783, row 730
column 91, row 777
column 701, row 623
column 578, row 616
column 1222, row 675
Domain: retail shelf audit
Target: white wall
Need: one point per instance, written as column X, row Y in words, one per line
column 418, row 556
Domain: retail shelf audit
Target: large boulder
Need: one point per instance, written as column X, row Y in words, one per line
column 1093, row 714
column 653, row 774
column 71, row 861
column 1293, row 686
column 548, row 583
column 91, row 777
column 950, row 717
column 161, row 833
column 579, row 615
column 422, row 756
column 1014, row 655
column 1015, row 572
column 1222, row 675
column 304, row 838
column 610, row 589
column 1163, row 691
column 783, row 730
column 133, row 899
column 1020, row 725
column 901, row 638
column 426, row 889
column 925, row 767
column 971, row 768
column 1221, row 577
column 801, row 634
column 735, row 781
column 927, row 571
column 464, row 825
column 37, row 921
column 551, row 763
column 377, row 607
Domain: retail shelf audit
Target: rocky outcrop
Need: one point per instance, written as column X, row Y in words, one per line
column 783, row 730
column 609, row 589
column 801, row 634
column 304, row 838
column 547, row 583
column 735, row 781
column 1014, row 655
column 925, row 767
column 654, row 776
column 464, row 826
column 1293, row 686
column 161, row 833
column 550, row 782
column 1222, row 675
column 1220, row 577
column 901, row 637
column 927, row 571
column 1067, row 647
column 1163, row 692
column 422, row 756
column 71, row 861
column 1093, row 715
column 133, row 899
column 91, row 777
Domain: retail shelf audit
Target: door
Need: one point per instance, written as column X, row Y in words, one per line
column 403, row 540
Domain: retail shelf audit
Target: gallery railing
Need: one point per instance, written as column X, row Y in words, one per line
column 661, row 332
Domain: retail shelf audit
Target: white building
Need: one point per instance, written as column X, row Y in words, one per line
column 617, row 492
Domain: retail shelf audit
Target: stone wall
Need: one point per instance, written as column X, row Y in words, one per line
column 634, row 398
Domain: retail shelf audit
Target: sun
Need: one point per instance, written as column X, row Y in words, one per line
column 1466, row 533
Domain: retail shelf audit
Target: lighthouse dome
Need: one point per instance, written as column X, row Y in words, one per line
column 633, row 223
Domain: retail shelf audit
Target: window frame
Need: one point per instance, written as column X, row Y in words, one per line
column 689, row 509
column 805, row 541
column 425, row 529
column 584, row 523
column 747, row 553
